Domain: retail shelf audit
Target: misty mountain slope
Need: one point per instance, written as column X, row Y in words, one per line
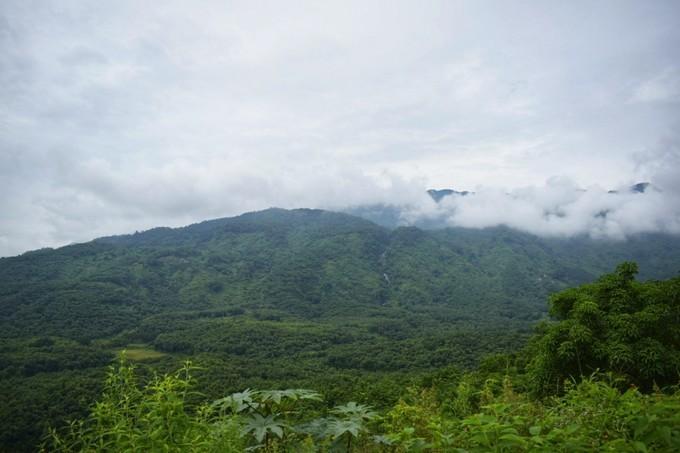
column 352, row 283
column 308, row 264
column 560, row 209
column 276, row 299
column 214, row 264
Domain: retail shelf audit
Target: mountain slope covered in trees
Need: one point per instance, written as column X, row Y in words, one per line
column 601, row 377
column 281, row 298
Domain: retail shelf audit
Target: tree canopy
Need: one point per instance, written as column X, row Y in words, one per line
column 617, row 324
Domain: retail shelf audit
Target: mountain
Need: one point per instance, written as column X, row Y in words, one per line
column 437, row 195
column 302, row 298
column 305, row 263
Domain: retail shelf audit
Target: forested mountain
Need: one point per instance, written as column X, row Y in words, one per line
column 300, row 298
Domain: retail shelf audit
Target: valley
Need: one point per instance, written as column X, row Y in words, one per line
column 282, row 299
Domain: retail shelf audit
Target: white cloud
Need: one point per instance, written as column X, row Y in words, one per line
column 124, row 115
column 663, row 87
column 558, row 208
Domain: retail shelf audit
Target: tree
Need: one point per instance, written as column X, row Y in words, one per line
column 615, row 324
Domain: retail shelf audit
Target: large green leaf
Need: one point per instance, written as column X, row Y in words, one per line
column 259, row 426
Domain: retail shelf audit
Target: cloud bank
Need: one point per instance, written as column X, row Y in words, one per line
column 557, row 209
column 121, row 116
column 561, row 208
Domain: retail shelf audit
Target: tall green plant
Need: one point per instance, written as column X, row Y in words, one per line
column 155, row 417
column 615, row 324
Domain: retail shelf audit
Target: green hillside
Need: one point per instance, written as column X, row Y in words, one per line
column 602, row 376
column 277, row 298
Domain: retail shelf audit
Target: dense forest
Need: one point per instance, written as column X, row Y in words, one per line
column 602, row 377
column 410, row 337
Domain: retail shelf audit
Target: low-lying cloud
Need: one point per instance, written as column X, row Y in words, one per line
column 121, row 116
column 559, row 208
column 81, row 200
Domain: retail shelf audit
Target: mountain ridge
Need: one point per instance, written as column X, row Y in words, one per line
column 282, row 299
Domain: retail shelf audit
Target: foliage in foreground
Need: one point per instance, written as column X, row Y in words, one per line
column 626, row 328
column 592, row 415
column 164, row 415
column 616, row 324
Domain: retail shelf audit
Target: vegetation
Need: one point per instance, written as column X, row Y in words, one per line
column 616, row 324
column 593, row 415
column 448, row 411
column 312, row 299
column 142, row 352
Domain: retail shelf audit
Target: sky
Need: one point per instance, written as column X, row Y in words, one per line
column 121, row 116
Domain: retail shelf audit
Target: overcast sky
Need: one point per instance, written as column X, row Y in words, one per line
column 120, row 116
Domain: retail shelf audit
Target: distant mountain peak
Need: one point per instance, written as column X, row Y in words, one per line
column 640, row 187
column 438, row 194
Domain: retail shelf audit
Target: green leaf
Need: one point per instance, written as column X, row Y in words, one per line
column 486, row 419
column 571, row 429
column 236, row 402
column 640, row 446
column 259, row 426
column 513, row 439
column 338, row 427
column 353, row 409
column 665, row 433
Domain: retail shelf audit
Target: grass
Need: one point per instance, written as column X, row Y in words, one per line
column 139, row 352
